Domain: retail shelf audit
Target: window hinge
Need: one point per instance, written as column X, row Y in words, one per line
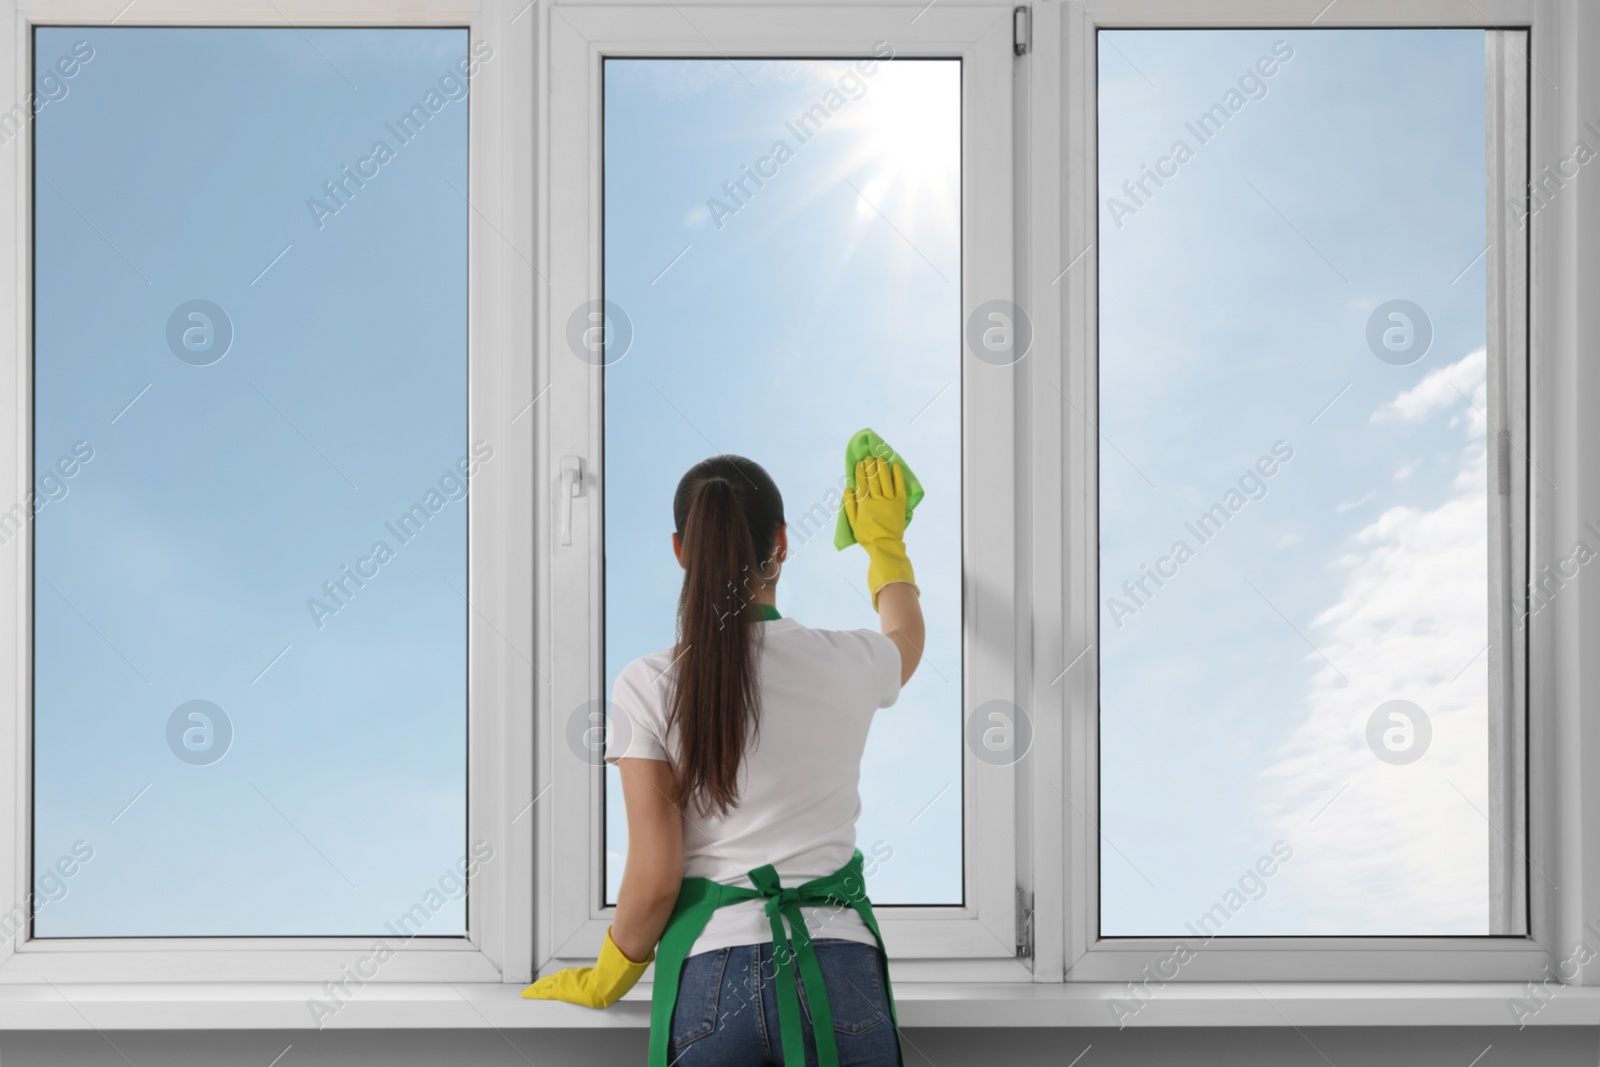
column 1024, row 924
column 1021, row 29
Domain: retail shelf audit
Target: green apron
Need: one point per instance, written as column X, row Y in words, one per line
column 699, row 897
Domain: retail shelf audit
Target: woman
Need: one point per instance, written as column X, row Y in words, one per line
column 740, row 752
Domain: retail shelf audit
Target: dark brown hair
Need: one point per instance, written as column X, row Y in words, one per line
column 727, row 510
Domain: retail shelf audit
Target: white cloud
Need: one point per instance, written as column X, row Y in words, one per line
column 1440, row 390
column 1403, row 849
column 1351, row 505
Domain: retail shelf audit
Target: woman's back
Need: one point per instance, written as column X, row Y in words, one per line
column 798, row 796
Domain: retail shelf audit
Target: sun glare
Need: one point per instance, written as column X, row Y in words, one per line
column 907, row 151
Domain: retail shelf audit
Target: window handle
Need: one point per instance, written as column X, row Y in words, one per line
column 571, row 486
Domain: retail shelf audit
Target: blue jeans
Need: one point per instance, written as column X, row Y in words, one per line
column 727, row 1009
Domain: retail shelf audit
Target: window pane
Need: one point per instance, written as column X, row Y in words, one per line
column 1296, row 530
column 250, row 411
column 783, row 237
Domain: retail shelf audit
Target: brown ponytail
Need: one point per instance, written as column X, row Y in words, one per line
column 728, row 511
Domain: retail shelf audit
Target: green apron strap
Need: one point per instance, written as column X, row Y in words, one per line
column 864, row 908
column 848, row 885
column 785, row 904
column 697, row 899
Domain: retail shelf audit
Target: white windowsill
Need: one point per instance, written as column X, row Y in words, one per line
column 243, row 1006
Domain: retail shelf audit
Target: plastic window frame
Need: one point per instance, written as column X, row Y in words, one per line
column 501, row 676
column 1522, row 318
column 975, row 941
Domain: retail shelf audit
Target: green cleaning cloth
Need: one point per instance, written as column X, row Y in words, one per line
column 864, row 444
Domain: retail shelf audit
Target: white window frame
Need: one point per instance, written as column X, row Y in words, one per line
column 976, row 941
column 1527, row 335
column 1039, row 819
column 497, row 947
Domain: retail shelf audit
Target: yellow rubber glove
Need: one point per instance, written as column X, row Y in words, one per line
column 600, row 986
column 877, row 514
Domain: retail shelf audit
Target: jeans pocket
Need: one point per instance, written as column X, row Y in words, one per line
column 853, row 972
column 694, row 1014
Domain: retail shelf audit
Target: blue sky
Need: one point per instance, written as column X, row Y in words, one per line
column 792, row 320
column 1234, row 305
column 1233, row 309
column 179, row 565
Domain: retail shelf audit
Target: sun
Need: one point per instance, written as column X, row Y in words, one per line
column 893, row 152
column 907, row 152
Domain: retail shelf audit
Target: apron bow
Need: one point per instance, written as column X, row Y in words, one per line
column 791, row 950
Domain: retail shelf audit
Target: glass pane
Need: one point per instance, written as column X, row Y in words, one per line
column 783, row 265
column 250, row 429
column 1295, row 532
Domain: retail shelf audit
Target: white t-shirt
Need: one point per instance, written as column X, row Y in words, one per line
column 798, row 797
